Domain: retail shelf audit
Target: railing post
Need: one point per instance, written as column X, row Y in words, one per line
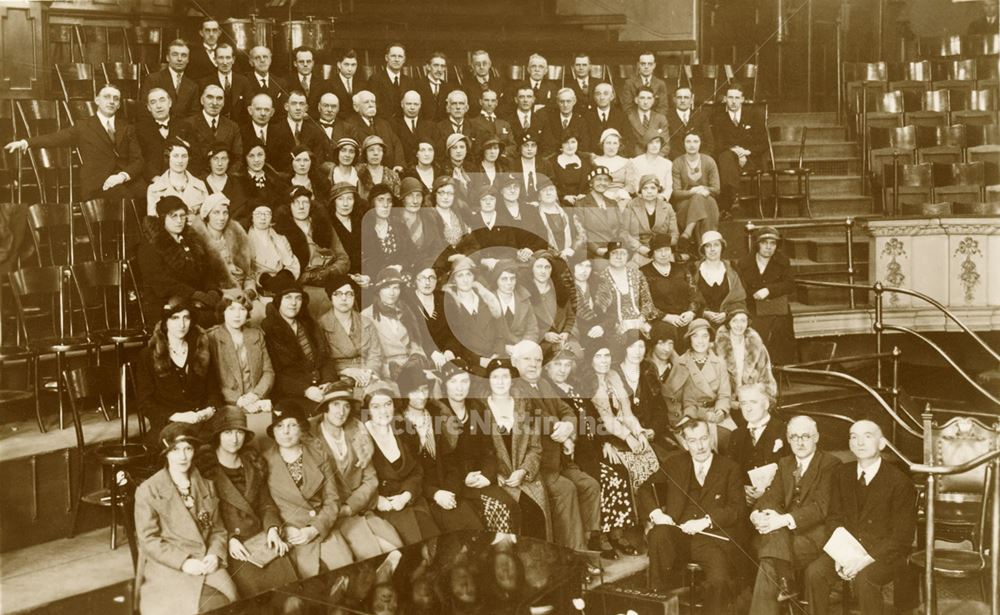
column 927, row 421
column 895, row 386
column 995, row 542
column 749, row 228
column 878, row 332
column 930, row 599
column 849, row 233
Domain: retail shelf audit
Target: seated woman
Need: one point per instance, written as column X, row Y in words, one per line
column 590, row 320
column 671, row 284
column 648, row 214
column 311, row 236
column 457, row 166
column 239, row 356
column 302, row 367
column 220, row 181
column 301, row 480
column 180, row 534
column 426, row 301
column 372, row 171
column 641, row 384
column 491, row 165
column 519, row 318
column 384, row 236
column 468, row 460
column 228, row 240
column 424, row 170
column 306, row 173
column 696, row 186
column 400, row 492
column 422, row 228
column 616, row 164
column 248, row 512
column 176, row 180
column 570, row 171
column 552, row 296
column 450, row 219
column 623, row 294
column 269, row 250
column 718, row 285
column 348, row 444
column 524, row 220
column 651, row 162
column 745, row 355
column 399, row 333
column 424, row 437
column 518, row 449
column 768, row 280
column 345, row 154
column 495, row 240
column 259, row 182
column 562, row 230
column 698, row 385
column 473, row 315
column 174, row 378
column 351, row 338
column 345, row 214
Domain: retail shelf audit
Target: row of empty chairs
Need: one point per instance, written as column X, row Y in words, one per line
column 933, row 108
column 907, row 185
column 944, row 144
column 956, row 45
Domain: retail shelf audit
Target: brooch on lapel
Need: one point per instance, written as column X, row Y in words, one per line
column 204, row 520
column 777, row 445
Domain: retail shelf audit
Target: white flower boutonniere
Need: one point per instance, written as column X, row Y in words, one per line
column 777, row 445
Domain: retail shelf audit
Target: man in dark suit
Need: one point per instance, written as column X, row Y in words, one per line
column 988, row 24
column 210, row 127
column 412, row 128
column 645, row 78
column 311, row 84
column 181, row 88
column 487, row 125
column 235, row 87
column 482, row 79
column 202, row 62
column 740, row 145
column 565, row 119
column 791, row 515
column 698, row 508
column 261, row 110
column 368, row 123
column 644, row 123
column 345, row 84
column 389, row 83
column 108, row 147
column 261, row 80
column 153, row 131
column 574, row 495
column 295, row 129
column 434, row 89
column 760, row 441
column 605, row 115
column 544, row 90
column 333, row 128
column 458, row 107
column 684, row 119
column 875, row 501
column 582, row 83
column 524, row 119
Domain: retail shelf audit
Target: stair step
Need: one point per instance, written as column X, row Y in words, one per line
column 816, row 149
column 836, row 206
column 822, row 165
column 819, row 184
column 827, row 249
column 817, row 296
column 803, row 119
column 828, row 270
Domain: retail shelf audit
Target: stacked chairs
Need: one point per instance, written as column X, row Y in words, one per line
column 907, row 184
column 960, row 182
column 76, row 81
column 703, row 79
column 746, row 74
column 46, row 170
column 975, row 107
column 943, row 144
column 890, row 144
column 935, row 109
column 128, row 77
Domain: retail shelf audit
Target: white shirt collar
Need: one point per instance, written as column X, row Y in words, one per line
column 871, row 471
column 392, row 75
column 107, row 121
column 528, row 164
column 705, row 466
column 222, row 76
column 292, row 124
column 209, row 118
column 804, row 463
column 507, row 302
column 761, row 425
column 174, row 74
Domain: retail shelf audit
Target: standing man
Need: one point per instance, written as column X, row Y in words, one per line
column 210, row 127
column 685, row 120
column 367, row 123
column 434, row 89
column 483, row 79
column 389, row 83
column 875, row 501
column 108, row 147
column 153, row 131
column 605, row 115
column 203, row 62
column 295, row 129
column 487, row 124
column 413, row 128
column 644, row 122
column 312, row 85
column 544, row 90
column 790, row 517
column 583, row 84
column 564, row 118
column 458, row 107
column 262, row 81
column 645, row 78
column 181, row 88
column 740, row 143
column 345, row 84
column 235, row 87
column 696, row 518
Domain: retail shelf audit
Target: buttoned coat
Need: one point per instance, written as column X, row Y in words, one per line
column 185, row 98
column 168, row 534
column 196, row 131
column 227, row 364
column 603, row 224
column 244, row 515
column 721, row 497
column 661, row 95
column 769, row 448
column 358, row 348
column 636, row 229
column 698, row 123
column 357, row 482
column 642, row 134
column 690, row 389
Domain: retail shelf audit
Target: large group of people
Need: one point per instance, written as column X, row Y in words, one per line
column 392, row 308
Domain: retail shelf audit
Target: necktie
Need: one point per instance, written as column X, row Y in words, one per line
column 604, row 119
column 798, row 472
column 565, row 123
column 177, row 82
column 164, row 129
column 735, row 118
column 645, row 82
column 110, row 127
column 215, row 125
column 413, row 125
column 434, row 89
column 305, row 85
column 531, row 181
column 700, row 474
column 262, row 134
column 457, row 128
column 526, row 121
column 583, row 86
column 350, row 90
column 755, row 433
column 645, row 120
column 861, row 480
column 300, row 335
column 263, row 83
column 684, row 118
column 225, row 83
column 395, row 81
column 298, row 132
column 535, row 87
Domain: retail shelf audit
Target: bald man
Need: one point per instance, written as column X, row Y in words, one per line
column 330, row 124
column 790, row 518
column 412, row 127
column 875, row 501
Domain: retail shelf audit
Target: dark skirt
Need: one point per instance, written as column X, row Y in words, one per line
column 778, row 333
column 414, row 523
column 533, row 523
column 251, row 580
column 462, row 517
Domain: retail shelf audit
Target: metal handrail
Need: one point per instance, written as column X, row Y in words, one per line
column 845, row 359
column 847, row 223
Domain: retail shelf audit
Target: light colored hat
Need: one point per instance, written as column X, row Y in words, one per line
column 213, row 202
column 710, row 236
column 697, row 325
column 454, row 139
column 371, row 141
column 610, row 132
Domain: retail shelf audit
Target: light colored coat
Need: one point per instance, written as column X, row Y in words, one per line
column 637, row 231
column 227, row 363
column 168, row 535
column 695, row 389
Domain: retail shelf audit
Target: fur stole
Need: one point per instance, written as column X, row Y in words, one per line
column 756, row 361
column 199, row 353
column 236, row 240
column 192, row 249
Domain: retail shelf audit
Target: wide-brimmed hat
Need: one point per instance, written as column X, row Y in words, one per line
column 412, row 377
column 709, row 237
column 230, row 418
column 696, row 325
column 339, row 392
column 286, row 409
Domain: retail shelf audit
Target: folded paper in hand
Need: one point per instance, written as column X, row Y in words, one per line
column 260, row 554
column 845, row 549
column 762, row 476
